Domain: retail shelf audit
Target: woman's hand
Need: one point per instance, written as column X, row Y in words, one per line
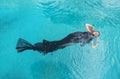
column 94, row 46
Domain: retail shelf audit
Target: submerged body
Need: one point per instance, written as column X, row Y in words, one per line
column 50, row 46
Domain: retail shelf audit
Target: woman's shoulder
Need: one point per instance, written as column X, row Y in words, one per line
column 78, row 32
column 88, row 33
column 83, row 33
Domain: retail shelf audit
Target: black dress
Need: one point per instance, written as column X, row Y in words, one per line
column 50, row 46
column 76, row 37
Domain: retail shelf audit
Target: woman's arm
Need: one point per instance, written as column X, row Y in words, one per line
column 92, row 43
column 89, row 28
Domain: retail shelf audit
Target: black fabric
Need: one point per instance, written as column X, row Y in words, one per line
column 50, row 46
column 87, row 37
column 23, row 45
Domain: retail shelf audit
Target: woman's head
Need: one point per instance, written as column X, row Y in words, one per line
column 96, row 33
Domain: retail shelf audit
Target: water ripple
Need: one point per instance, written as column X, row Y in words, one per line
column 79, row 12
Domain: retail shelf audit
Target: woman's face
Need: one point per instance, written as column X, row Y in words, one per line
column 96, row 33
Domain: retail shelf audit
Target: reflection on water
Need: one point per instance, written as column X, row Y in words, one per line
column 49, row 70
column 77, row 12
column 113, row 72
column 14, row 75
column 58, row 13
column 8, row 18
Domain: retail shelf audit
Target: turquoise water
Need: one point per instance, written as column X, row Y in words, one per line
column 35, row 20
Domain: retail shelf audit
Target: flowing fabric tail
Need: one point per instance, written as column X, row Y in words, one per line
column 23, row 45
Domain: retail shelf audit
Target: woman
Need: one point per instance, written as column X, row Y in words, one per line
column 50, row 46
column 90, row 29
